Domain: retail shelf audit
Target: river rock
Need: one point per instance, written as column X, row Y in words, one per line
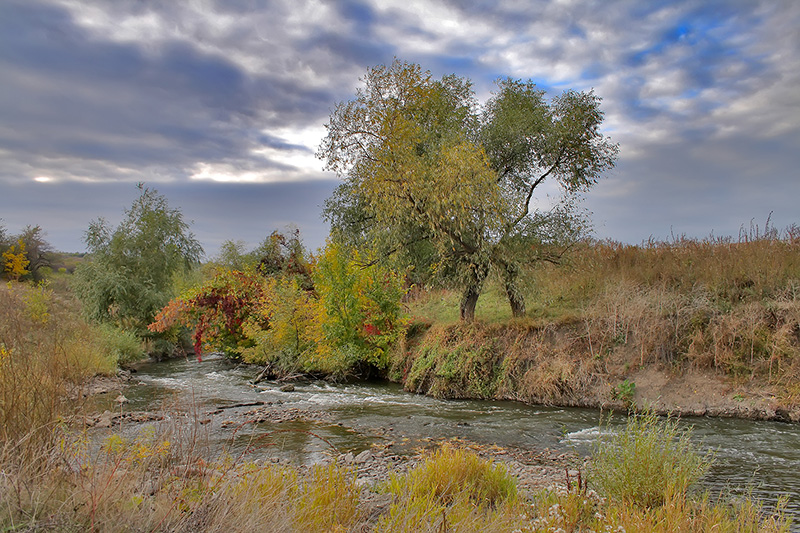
column 287, row 388
column 363, row 457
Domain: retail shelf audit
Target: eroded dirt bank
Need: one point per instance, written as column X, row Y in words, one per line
column 564, row 366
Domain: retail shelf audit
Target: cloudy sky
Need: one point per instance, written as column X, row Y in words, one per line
column 220, row 105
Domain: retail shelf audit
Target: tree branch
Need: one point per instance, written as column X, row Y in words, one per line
column 532, row 188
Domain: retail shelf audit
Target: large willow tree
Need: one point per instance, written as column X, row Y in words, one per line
column 447, row 185
column 129, row 275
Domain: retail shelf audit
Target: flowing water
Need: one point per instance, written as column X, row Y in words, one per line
column 762, row 457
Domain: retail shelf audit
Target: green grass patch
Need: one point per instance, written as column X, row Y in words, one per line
column 648, row 462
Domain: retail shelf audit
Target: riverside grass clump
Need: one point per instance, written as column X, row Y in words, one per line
column 453, row 489
column 648, row 462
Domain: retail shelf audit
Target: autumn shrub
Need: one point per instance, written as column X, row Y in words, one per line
column 338, row 314
column 361, row 313
column 283, row 326
column 15, row 261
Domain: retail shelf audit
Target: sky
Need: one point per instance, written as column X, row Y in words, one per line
column 221, row 105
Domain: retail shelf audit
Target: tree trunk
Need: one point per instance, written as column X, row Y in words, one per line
column 515, row 298
column 473, row 290
column 468, row 302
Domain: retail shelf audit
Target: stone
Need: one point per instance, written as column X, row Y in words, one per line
column 363, row 457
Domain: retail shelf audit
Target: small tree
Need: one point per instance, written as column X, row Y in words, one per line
column 39, row 251
column 129, row 277
column 15, row 261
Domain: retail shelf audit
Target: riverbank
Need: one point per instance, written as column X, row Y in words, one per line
column 562, row 365
column 166, row 471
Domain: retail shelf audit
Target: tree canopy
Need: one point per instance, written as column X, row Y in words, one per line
column 440, row 182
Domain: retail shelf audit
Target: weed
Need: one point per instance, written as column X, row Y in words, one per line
column 625, row 393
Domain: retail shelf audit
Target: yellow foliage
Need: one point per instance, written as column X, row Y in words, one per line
column 16, row 263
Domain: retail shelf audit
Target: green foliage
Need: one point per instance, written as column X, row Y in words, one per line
column 122, row 347
column 649, row 462
column 130, row 275
column 625, row 393
column 423, row 163
column 232, row 256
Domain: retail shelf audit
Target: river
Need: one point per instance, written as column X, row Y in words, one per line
column 756, row 456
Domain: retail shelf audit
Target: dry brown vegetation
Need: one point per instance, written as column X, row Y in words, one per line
column 46, row 352
column 720, row 306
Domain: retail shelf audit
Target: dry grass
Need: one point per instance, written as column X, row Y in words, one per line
column 46, row 350
column 719, row 305
column 153, row 482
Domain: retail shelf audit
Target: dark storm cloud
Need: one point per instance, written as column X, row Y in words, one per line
column 68, row 94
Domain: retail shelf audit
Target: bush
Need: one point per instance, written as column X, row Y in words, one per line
column 123, row 347
column 647, row 463
column 360, row 307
